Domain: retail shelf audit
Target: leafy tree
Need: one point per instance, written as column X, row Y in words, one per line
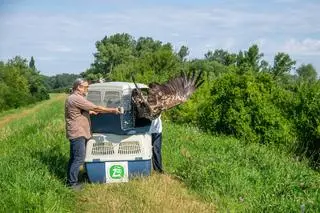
column 305, row 112
column 183, row 53
column 221, row 56
column 251, row 60
column 32, row 64
column 253, row 57
column 164, row 60
column 59, row 82
column 112, row 51
column 157, row 66
column 307, row 72
column 282, row 64
column 119, row 56
column 20, row 84
column 15, row 87
column 146, row 45
column 243, row 106
column 211, row 69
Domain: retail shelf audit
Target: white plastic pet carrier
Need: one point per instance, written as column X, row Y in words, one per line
column 121, row 145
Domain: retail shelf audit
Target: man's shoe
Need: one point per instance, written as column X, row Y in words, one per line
column 76, row 187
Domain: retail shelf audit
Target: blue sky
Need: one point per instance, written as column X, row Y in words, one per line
column 61, row 34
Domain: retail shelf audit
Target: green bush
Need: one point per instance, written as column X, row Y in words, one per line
column 306, row 116
column 243, row 105
column 20, row 85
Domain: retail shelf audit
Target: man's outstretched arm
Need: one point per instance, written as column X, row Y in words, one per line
column 101, row 109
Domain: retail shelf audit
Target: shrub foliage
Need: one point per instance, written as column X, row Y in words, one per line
column 20, row 84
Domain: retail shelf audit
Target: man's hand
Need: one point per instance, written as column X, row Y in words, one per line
column 121, row 110
column 93, row 112
column 118, row 110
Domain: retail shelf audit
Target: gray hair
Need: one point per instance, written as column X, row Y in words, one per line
column 77, row 82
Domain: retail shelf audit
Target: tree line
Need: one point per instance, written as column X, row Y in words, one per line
column 20, row 83
column 59, row 82
column 243, row 95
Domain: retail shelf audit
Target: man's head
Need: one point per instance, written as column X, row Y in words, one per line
column 81, row 86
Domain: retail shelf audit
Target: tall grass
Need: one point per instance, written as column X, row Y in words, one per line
column 33, row 157
column 240, row 177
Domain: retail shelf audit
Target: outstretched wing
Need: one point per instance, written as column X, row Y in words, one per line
column 162, row 97
column 174, row 92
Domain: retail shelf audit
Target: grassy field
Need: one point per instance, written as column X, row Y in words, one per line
column 204, row 173
column 240, row 177
column 33, row 160
column 33, row 156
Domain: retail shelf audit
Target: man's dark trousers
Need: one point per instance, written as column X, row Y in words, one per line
column 77, row 156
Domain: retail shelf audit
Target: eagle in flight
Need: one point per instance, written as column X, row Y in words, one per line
column 160, row 97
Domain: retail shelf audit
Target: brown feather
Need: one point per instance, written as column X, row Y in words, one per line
column 162, row 97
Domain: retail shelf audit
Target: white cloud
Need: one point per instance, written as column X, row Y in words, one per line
column 200, row 28
column 304, row 47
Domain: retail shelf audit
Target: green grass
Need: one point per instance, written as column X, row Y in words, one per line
column 240, row 177
column 234, row 176
column 33, row 159
column 20, row 109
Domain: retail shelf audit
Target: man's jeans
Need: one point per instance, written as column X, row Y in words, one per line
column 77, row 156
column 156, row 151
